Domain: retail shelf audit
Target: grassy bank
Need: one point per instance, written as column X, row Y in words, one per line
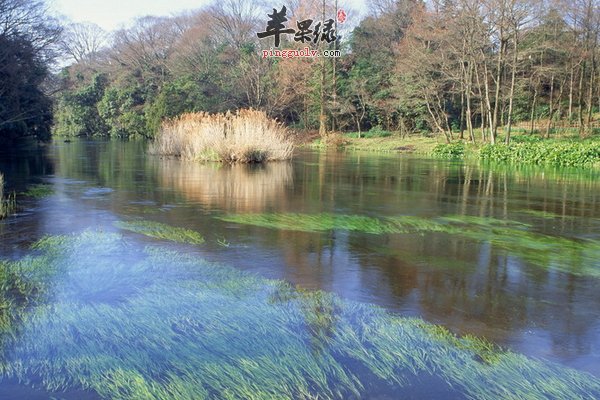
column 562, row 151
column 525, row 149
column 377, row 141
column 245, row 136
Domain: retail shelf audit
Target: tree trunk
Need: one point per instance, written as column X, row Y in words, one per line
column 550, row 107
column 469, row 113
column 590, row 100
column 488, row 104
column 580, row 101
column 481, row 103
column 512, row 86
column 322, row 117
column 499, row 75
column 462, row 114
column 571, row 79
column 533, row 105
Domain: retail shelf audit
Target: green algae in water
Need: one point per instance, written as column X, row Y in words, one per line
column 545, row 214
column 39, row 191
column 326, row 221
column 574, row 256
column 196, row 330
column 158, row 230
column 483, row 222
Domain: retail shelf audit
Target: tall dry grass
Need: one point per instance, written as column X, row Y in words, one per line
column 244, row 136
column 7, row 204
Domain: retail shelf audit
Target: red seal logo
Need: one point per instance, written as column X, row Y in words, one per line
column 341, row 16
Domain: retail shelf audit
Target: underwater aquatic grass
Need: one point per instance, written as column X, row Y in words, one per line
column 39, row 191
column 199, row 330
column 575, row 256
column 158, row 230
column 327, row 221
column 544, row 214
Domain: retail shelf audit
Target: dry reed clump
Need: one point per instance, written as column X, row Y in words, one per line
column 244, row 136
column 7, row 204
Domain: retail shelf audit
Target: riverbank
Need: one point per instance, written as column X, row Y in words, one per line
column 417, row 144
column 530, row 150
column 563, row 151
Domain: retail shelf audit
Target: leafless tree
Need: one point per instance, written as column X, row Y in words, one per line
column 31, row 20
column 83, row 41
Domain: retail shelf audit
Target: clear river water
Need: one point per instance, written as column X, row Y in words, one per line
column 335, row 275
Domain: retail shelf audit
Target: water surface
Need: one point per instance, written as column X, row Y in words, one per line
column 294, row 254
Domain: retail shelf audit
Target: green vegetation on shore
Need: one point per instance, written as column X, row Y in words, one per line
column 564, row 152
column 393, row 142
column 524, row 149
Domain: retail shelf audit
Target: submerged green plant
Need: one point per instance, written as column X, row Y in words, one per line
column 223, row 242
column 576, row 256
column 326, row 221
column 161, row 325
column 162, row 231
column 544, row 214
column 39, row 191
column 190, row 329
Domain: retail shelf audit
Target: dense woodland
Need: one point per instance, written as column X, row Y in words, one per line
column 469, row 69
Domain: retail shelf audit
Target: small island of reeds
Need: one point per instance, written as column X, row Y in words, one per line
column 246, row 136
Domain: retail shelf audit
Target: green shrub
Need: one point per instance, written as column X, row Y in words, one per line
column 450, row 151
column 76, row 112
column 374, row 132
column 526, row 139
column 184, row 94
column 549, row 152
column 377, row 131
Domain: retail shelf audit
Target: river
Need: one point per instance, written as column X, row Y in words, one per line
column 281, row 272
